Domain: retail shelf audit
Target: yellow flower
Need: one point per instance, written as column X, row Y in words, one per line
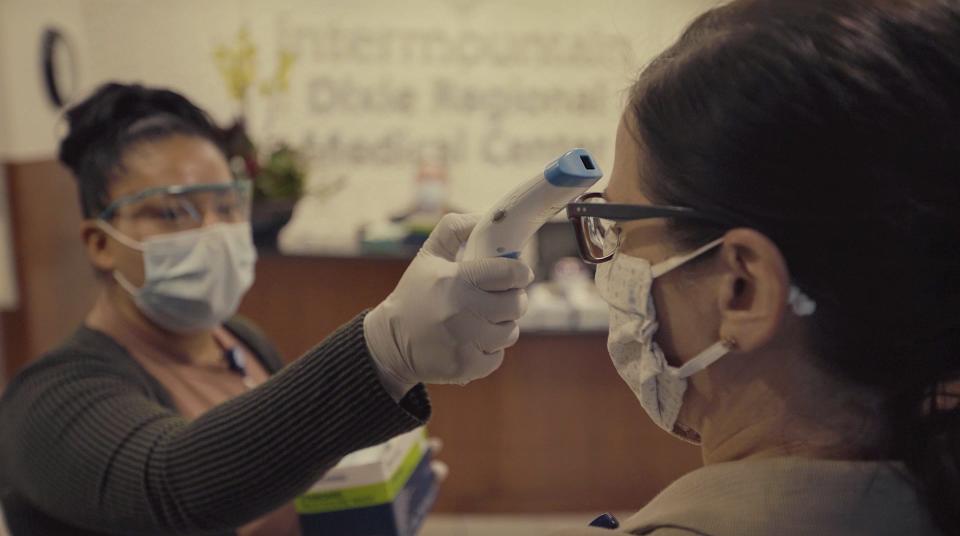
column 280, row 82
column 237, row 64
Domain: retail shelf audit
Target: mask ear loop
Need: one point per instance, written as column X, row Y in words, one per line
column 115, row 233
column 717, row 349
column 673, row 263
column 705, row 359
column 800, row 303
column 118, row 236
column 125, row 283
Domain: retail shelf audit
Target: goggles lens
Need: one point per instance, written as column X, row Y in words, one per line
column 178, row 208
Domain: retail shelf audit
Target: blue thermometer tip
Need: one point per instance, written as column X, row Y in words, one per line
column 574, row 168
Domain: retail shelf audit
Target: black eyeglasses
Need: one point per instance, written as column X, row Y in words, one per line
column 594, row 222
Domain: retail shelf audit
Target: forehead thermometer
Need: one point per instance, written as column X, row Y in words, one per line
column 512, row 221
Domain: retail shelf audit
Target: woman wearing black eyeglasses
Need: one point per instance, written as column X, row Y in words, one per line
column 779, row 244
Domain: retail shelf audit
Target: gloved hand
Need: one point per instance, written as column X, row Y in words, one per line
column 447, row 321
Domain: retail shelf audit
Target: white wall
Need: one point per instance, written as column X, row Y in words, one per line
column 4, row 76
column 378, row 81
column 28, row 123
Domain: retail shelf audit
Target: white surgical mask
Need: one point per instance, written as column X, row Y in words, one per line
column 625, row 283
column 193, row 280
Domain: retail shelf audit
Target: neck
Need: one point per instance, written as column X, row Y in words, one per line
column 790, row 409
column 773, row 437
column 121, row 309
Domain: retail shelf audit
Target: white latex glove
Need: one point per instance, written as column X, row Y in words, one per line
column 447, row 321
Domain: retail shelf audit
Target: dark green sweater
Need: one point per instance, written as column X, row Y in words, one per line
column 90, row 443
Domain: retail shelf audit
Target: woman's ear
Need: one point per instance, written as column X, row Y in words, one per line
column 97, row 245
column 754, row 290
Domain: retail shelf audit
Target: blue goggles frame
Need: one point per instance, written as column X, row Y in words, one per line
column 244, row 186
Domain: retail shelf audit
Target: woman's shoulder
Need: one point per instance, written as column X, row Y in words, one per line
column 88, row 345
column 87, row 353
column 788, row 496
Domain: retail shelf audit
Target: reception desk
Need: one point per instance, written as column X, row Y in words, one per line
column 554, row 429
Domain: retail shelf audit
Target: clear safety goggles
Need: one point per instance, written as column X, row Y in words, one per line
column 183, row 207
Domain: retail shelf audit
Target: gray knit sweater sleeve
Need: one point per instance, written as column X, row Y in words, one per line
column 86, row 442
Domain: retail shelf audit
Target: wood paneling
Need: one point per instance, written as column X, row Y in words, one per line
column 554, row 429
column 300, row 300
column 55, row 281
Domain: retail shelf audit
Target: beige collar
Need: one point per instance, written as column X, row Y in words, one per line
column 787, row 497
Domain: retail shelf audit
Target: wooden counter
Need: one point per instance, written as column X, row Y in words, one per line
column 554, row 429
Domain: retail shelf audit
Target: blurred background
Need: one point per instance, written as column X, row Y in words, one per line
column 361, row 122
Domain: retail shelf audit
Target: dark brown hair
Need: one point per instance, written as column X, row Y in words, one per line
column 833, row 127
column 113, row 119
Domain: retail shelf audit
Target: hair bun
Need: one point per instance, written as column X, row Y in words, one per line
column 116, row 116
column 106, row 115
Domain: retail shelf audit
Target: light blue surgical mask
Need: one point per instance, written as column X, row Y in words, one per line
column 193, row 280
